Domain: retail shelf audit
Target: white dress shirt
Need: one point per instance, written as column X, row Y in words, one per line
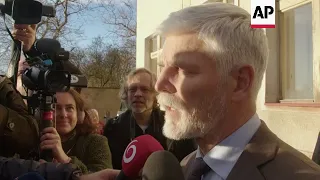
column 222, row 158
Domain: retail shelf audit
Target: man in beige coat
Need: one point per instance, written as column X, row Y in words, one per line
column 213, row 66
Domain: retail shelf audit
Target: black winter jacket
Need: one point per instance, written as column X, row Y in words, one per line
column 18, row 130
column 13, row 168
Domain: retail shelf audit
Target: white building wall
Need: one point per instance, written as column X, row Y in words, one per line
column 150, row 13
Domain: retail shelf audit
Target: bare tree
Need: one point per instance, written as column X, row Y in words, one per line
column 104, row 65
column 78, row 57
column 58, row 27
column 4, row 43
column 121, row 15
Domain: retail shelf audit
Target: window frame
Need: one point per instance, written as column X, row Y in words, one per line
column 285, row 6
column 155, row 55
column 316, row 46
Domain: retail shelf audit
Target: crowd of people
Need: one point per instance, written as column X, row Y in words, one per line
column 213, row 65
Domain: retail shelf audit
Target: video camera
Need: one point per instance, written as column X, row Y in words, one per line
column 26, row 11
column 47, row 73
column 48, row 70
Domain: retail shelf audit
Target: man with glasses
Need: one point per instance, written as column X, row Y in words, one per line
column 142, row 117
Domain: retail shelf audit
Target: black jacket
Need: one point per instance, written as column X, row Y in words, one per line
column 18, row 130
column 122, row 129
column 13, row 168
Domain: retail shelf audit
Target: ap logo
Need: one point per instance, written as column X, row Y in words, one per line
column 263, row 14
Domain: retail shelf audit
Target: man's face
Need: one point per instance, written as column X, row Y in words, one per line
column 190, row 89
column 140, row 94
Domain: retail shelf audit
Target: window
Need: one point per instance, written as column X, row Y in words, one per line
column 153, row 54
column 156, row 44
column 162, row 39
column 296, row 51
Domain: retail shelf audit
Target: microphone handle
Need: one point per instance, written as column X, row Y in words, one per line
column 47, row 153
column 122, row 176
column 46, row 121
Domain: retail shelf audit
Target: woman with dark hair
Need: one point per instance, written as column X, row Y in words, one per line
column 74, row 137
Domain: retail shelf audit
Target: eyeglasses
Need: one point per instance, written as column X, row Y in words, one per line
column 143, row 89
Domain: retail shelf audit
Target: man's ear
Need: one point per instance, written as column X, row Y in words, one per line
column 243, row 80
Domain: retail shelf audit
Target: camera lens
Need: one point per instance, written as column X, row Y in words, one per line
column 57, row 81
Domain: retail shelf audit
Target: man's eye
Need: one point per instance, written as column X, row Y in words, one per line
column 186, row 72
column 144, row 89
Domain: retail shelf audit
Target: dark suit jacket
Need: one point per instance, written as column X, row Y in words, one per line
column 266, row 157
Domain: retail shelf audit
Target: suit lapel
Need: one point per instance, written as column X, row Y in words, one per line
column 187, row 161
column 245, row 169
column 261, row 149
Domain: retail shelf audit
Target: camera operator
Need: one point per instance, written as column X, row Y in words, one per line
column 18, row 130
column 25, row 34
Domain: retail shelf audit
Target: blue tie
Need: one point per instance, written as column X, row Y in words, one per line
column 198, row 168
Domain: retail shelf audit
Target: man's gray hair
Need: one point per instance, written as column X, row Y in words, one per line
column 227, row 36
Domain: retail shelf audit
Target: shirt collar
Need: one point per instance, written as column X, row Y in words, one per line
column 224, row 156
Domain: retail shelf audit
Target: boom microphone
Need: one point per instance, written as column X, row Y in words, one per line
column 136, row 154
column 46, row 45
column 162, row 165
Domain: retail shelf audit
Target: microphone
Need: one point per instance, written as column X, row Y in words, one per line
column 46, row 45
column 136, row 154
column 48, row 11
column 162, row 165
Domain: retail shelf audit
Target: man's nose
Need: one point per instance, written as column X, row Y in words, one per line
column 138, row 92
column 164, row 84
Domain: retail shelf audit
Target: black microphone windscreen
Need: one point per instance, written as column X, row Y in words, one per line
column 47, row 45
column 71, row 68
column 162, row 165
column 48, row 11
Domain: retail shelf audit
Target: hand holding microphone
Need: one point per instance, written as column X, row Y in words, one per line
column 146, row 152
